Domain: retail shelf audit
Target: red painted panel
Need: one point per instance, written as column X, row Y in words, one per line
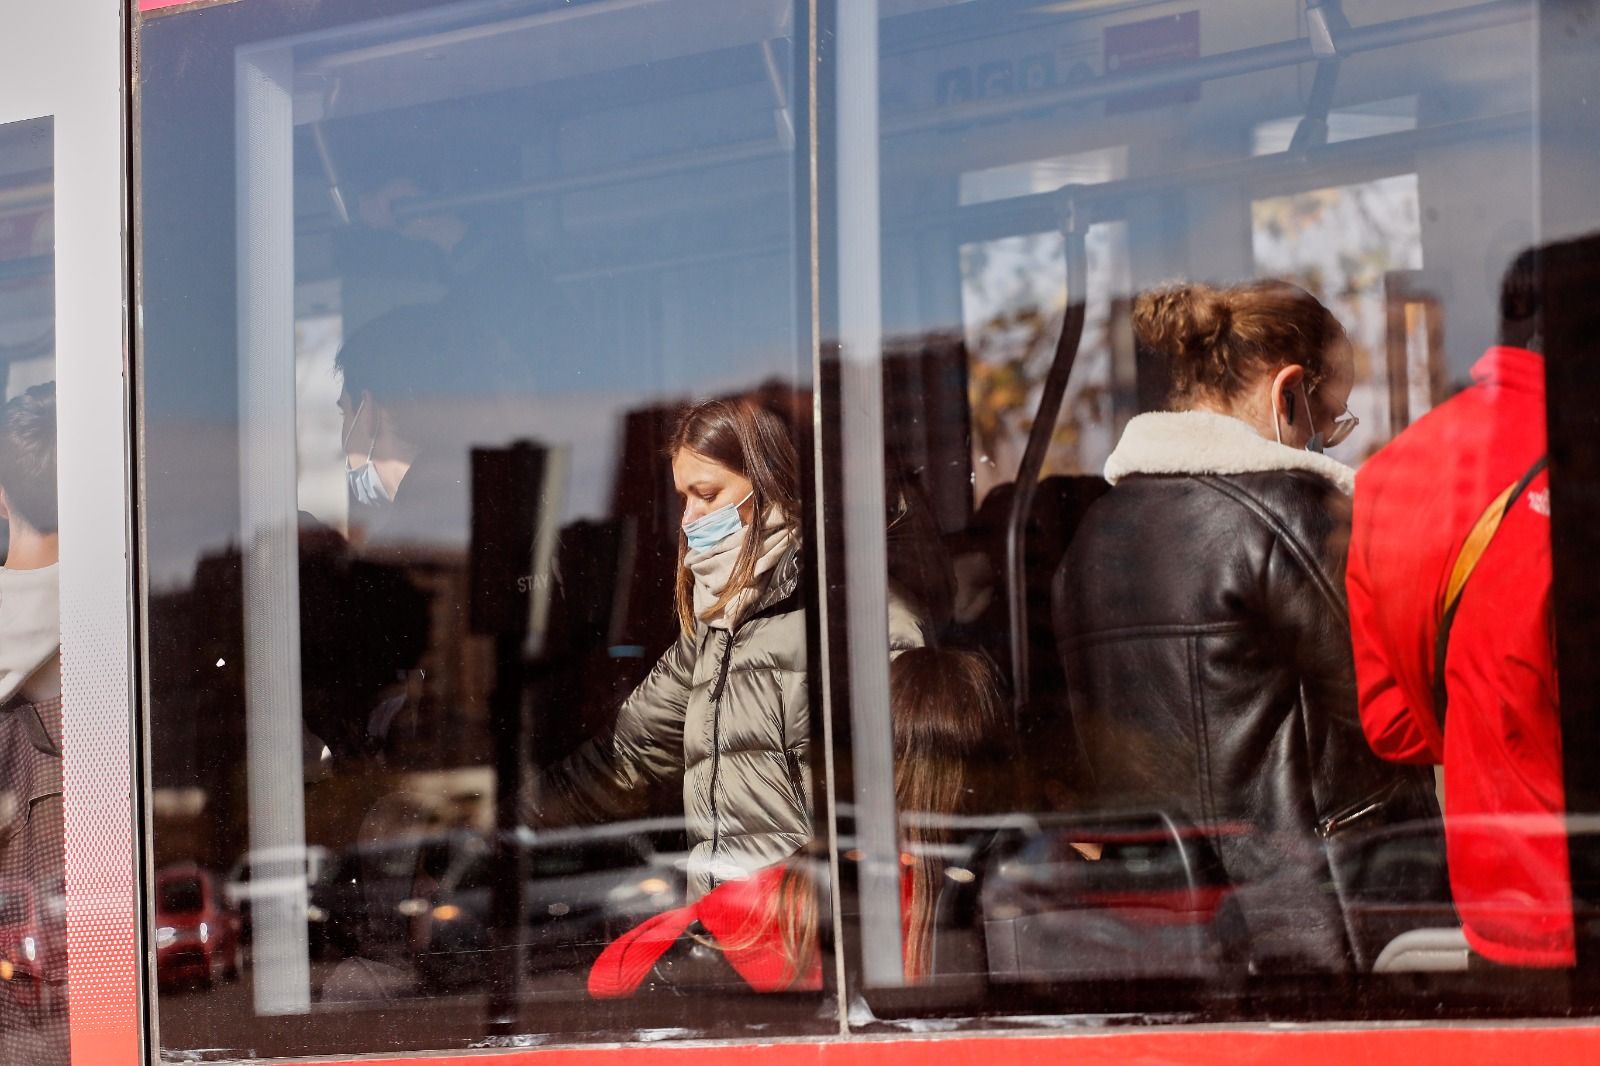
column 1549, row 1045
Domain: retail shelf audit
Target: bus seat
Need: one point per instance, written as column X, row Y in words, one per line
column 1131, row 898
column 1425, row 951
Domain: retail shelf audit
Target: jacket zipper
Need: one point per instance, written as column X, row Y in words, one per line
column 1364, row 810
column 716, row 746
column 796, row 779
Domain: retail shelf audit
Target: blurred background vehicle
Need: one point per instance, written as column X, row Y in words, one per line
column 238, row 889
column 582, row 888
column 360, row 908
column 198, row 933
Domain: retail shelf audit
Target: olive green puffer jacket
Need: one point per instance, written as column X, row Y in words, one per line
column 730, row 713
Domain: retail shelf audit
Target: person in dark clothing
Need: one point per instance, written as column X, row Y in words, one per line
column 1202, row 622
column 404, row 462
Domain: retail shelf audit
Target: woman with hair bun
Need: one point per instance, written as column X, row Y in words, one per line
column 1203, row 626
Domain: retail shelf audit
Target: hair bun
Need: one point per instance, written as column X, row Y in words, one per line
column 1182, row 321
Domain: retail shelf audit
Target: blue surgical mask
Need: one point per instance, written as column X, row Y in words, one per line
column 712, row 529
column 365, row 486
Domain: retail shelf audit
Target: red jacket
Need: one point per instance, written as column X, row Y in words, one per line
column 1415, row 502
column 740, row 919
column 735, row 913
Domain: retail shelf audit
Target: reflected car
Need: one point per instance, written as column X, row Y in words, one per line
column 581, row 889
column 1109, row 897
column 359, row 907
column 239, row 890
column 1145, row 896
column 198, row 934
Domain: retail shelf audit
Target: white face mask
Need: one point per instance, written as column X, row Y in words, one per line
column 365, row 485
column 1316, row 443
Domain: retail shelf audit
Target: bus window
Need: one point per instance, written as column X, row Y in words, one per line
column 427, row 289
column 1237, row 460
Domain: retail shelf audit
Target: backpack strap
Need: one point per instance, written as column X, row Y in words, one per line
column 1477, row 542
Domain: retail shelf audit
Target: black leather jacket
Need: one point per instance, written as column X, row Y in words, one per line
column 1203, row 627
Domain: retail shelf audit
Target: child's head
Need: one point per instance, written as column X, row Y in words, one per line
column 949, row 738
column 949, row 728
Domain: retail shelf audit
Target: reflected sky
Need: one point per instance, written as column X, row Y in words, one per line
column 27, row 255
column 613, row 195
column 611, row 199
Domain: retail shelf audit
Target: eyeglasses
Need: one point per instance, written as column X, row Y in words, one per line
column 1344, row 423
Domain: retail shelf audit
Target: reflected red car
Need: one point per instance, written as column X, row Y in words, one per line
column 198, row 934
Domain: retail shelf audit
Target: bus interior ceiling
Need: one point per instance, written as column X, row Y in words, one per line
column 573, row 148
column 1186, row 174
column 1184, row 170
column 555, row 138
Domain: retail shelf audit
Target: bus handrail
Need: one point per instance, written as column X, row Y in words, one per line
column 1033, row 456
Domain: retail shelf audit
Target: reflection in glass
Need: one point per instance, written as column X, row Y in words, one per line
column 1381, row 166
column 33, row 975
column 413, row 535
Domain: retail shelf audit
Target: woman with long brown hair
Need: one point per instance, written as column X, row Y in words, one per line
column 727, row 707
column 950, row 756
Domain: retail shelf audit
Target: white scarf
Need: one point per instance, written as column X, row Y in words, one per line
column 30, row 633
column 1203, row 442
column 713, row 569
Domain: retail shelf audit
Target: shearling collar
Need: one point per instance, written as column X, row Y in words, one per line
column 1201, row 442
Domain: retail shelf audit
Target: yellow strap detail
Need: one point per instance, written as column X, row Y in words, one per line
column 1477, row 543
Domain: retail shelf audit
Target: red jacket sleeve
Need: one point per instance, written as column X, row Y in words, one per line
column 1396, row 730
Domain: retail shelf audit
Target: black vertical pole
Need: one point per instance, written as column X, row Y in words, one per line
column 1568, row 147
column 506, row 494
column 1073, row 228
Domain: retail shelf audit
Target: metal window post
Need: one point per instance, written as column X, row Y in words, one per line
column 866, row 548
column 268, row 507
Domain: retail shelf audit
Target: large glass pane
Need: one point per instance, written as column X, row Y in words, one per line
column 33, row 931
column 426, row 287
column 1211, row 350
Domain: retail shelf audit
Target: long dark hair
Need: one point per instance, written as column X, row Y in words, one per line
column 753, row 442
column 949, row 734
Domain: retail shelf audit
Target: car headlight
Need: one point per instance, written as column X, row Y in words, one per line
column 315, row 913
column 205, row 933
column 650, row 887
column 30, row 948
column 165, row 935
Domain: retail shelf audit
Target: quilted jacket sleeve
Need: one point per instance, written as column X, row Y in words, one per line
column 598, row 781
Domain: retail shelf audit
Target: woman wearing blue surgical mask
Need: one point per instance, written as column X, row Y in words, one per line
column 727, row 707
